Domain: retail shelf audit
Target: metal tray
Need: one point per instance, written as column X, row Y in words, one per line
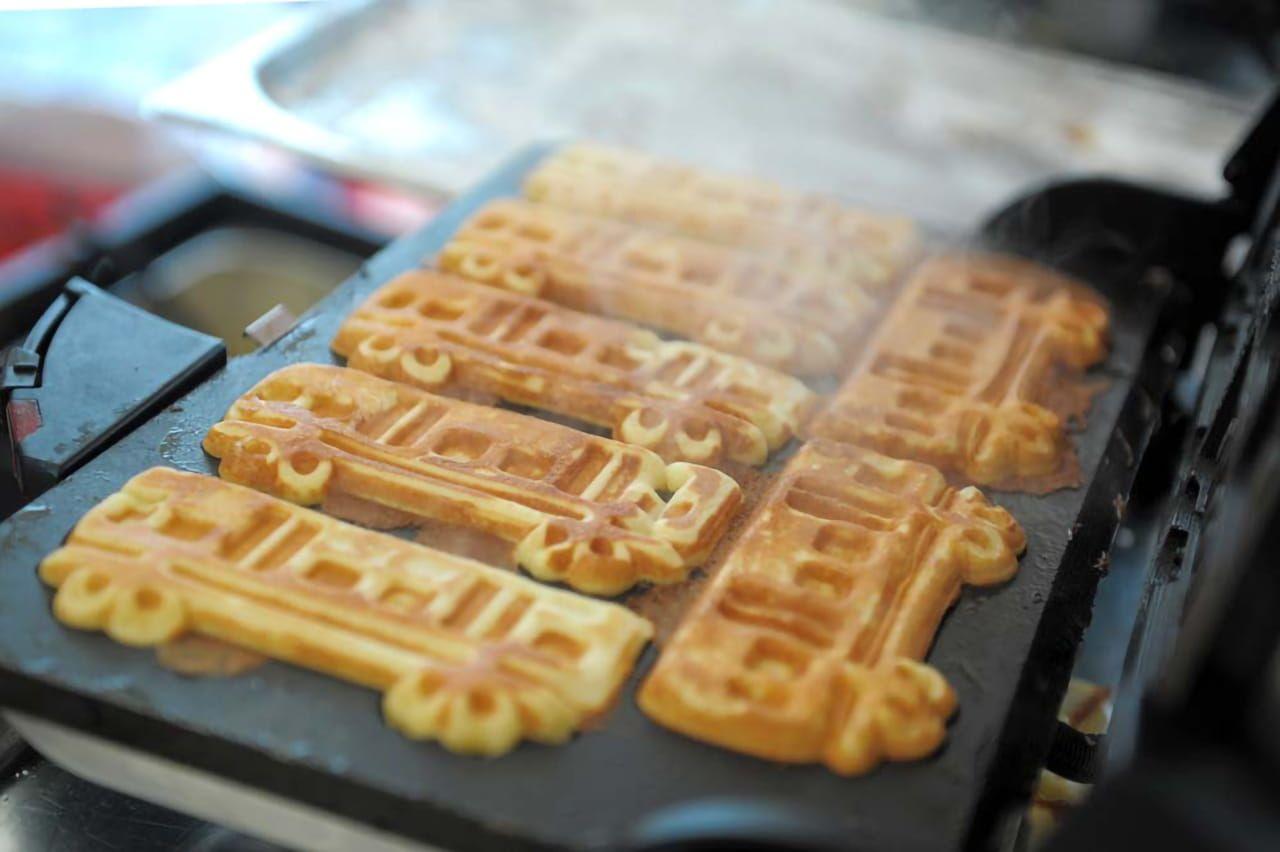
column 323, row 743
column 160, row 217
column 218, row 800
column 435, row 94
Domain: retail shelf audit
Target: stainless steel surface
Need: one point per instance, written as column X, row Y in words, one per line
column 225, row 279
column 44, row 807
column 190, row 791
column 811, row 92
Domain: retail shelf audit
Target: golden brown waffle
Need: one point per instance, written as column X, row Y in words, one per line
column 683, row 401
column 580, row 509
column 814, row 234
column 474, row 657
column 963, row 372
column 807, row 646
column 747, row 303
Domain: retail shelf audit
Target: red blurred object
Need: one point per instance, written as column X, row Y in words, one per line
column 386, row 209
column 34, row 206
column 24, row 419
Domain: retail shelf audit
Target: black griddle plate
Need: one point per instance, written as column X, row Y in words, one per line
column 323, row 742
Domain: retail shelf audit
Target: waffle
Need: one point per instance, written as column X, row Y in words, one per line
column 580, row 509
column 747, row 303
column 807, row 646
column 683, row 401
column 963, row 372
column 814, row 233
column 474, row 657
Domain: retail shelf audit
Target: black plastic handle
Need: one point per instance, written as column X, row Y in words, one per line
column 92, row 369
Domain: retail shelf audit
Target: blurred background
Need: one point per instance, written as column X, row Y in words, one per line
column 172, row 152
column 73, row 81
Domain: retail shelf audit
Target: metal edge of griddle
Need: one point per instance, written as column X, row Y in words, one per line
column 1157, row 669
column 1189, row 709
column 1188, row 255
column 1176, row 560
column 214, row 799
column 1209, row 407
column 1030, row 727
column 286, row 755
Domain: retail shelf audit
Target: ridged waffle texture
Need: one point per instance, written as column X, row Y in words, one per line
column 474, row 657
column 808, row 645
column 749, row 303
column 684, row 401
column 962, row 371
column 817, row 234
column 594, row 513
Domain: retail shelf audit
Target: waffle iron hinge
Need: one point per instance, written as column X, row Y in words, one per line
column 1209, row 450
column 92, row 368
column 1112, row 230
column 1189, row 706
column 1199, row 698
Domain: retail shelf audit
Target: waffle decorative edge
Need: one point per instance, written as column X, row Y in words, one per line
column 962, row 372
column 580, row 509
column 808, row 646
column 815, row 233
column 747, row 303
column 684, row 401
column 474, row 657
